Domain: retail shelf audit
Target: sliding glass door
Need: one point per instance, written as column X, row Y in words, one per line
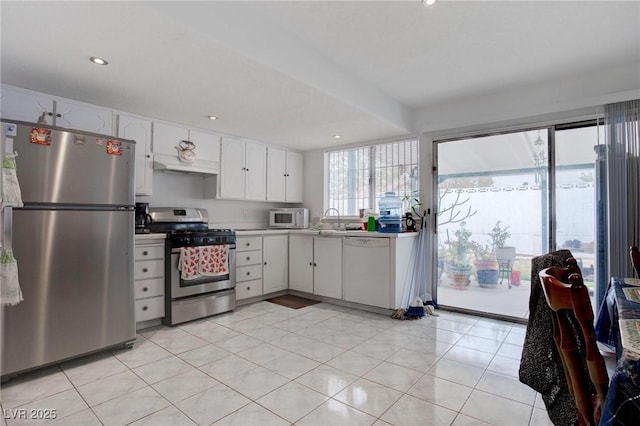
column 504, row 199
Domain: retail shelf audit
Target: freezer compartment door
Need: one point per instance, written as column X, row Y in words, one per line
column 73, row 168
column 76, row 273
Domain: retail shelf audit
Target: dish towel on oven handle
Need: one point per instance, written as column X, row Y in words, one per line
column 214, row 260
column 188, row 263
column 10, row 293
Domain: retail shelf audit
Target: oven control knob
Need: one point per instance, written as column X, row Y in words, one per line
column 205, row 240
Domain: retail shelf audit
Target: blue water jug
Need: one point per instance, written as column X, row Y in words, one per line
column 390, row 213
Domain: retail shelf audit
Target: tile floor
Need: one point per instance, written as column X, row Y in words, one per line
column 265, row 364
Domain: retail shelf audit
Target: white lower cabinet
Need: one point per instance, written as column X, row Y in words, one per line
column 275, row 272
column 372, row 271
column 301, row 263
column 327, row 262
column 315, row 265
column 248, row 267
column 262, row 265
column 149, row 278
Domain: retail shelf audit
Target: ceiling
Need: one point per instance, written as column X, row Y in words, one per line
column 297, row 73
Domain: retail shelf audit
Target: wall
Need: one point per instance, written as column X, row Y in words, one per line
column 171, row 189
column 313, row 185
column 574, row 97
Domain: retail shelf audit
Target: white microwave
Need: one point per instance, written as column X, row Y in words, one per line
column 292, row 218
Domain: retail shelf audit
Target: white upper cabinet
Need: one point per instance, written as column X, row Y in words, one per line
column 276, row 174
column 243, row 170
column 25, row 105
column 284, row 175
column 73, row 115
column 139, row 130
column 256, row 163
column 232, row 168
column 167, row 140
column 294, row 177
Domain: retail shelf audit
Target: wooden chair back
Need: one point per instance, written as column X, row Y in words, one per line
column 567, row 296
column 634, row 254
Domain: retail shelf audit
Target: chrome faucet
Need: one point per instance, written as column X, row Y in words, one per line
column 338, row 213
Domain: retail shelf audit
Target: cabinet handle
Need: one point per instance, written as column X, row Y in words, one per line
column 315, row 264
column 247, row 169
column 145, row 270
column 248, row 273
column 248, row 244
column 148, row 156
column 248, row 288
column 248, row 258
column 145, row 288
column 310, row 263
column 59, row 115
column 145, row 253
column 145, row 308
column 265, row 263
column 50, row 114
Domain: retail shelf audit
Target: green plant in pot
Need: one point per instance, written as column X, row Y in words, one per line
column 486, row 263
column 499, row 235
column 457, row 265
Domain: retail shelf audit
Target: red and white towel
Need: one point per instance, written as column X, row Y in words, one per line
column 214, row 260
column 188, row 262
column 196, row 262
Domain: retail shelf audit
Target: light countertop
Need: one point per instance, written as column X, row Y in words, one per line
column 247, row 232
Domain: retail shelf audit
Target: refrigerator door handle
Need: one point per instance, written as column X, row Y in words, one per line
column 7, row 215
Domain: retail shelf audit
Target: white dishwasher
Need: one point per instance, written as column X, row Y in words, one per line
column 366, row 269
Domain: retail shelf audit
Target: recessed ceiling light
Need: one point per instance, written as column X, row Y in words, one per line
column 98, row 61
column 212, row 117
column 337, row 136
column 428, row 2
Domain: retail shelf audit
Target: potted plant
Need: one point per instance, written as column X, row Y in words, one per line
column 499, row 235
column 486, row 265
column 412, row 215
column 457, row 265
column 505, row 255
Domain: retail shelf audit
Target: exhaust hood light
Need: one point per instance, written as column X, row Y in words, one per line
column 212, row 117
column 98, row 61
column 428, row 2
column 337, row 136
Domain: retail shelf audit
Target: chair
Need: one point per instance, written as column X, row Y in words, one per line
column 635, row 259
column 585, row 370
column 505, row 257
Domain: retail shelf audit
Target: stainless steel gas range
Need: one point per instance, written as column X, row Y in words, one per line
column 199, row 267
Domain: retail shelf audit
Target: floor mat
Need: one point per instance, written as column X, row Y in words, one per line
column 293, row 302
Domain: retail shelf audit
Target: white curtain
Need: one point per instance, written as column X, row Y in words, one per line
column 622, row 137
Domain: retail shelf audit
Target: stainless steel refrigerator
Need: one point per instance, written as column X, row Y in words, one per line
column 73, row 242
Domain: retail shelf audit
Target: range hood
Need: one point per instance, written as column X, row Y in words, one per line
column 172, row 163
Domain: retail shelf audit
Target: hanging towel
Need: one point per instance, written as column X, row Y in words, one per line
column 10, row 293
column 214, row 260
column 11, row 195
column 188, row 263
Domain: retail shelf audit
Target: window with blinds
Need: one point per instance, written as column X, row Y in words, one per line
column 358, row 177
